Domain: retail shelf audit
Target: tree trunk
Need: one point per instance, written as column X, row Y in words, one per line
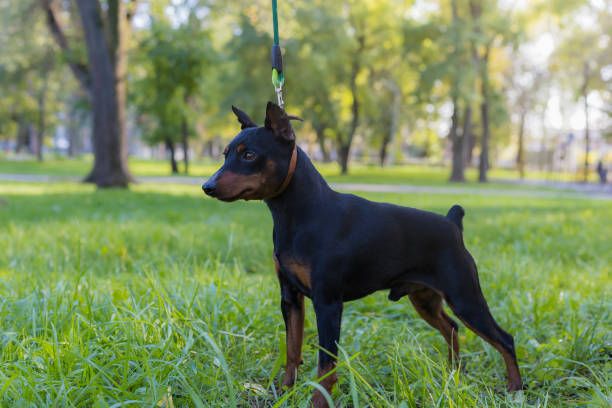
column 585, row 94
column 72, row 138
column 457, row 170
column 320, row 132
column 107, row 63
column 481, row 66
column 345, row 147
column 394, row 120
column 484, row 113
column 382, row 154
column 170, row 149
column 31, row 139
column 343, row 158
column 467, row 135
column 210, row 147
column 23, row 139
column 40, row 132
column 483, row 166
column 471, row 144
column 185, row 143
column 458, row 163
column 520, row 156
column 71, row 129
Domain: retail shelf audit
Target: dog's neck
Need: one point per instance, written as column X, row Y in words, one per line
column 302, row 197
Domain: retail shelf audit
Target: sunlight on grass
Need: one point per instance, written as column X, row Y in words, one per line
column 358, row 173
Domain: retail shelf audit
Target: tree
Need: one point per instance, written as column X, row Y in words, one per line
column 30, row 77
column 579, row 61
column 447, row 69
column 524, row 93
column 106, row 31
column 491, row 29
column 460, row 77
column 338, row 79
column 174, row 60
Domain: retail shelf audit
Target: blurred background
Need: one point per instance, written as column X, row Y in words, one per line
column 474, row 89
column 159, row 296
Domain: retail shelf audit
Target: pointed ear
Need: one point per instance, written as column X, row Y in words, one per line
column 243, row 118
column 278, row 122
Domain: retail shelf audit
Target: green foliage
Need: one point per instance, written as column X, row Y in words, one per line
column 132, row 295
column 403, row 62
column 30, row 70
column 172, row 63
column 583, row 53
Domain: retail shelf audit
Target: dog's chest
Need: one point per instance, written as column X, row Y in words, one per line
column 294, row 269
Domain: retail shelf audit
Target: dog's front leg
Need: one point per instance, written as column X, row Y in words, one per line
column 292, row 306
column 329, row 316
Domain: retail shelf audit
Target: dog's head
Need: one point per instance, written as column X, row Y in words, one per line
column 257, row 161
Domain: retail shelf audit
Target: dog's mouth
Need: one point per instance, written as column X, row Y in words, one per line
column 237, row 196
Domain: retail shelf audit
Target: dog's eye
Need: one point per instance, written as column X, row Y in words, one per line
column 249, row 156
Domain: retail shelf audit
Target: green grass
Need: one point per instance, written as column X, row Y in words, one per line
column 358, row 173
column 117, row 298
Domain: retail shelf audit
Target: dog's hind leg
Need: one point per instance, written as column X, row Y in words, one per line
column 468, row 303
column 429, row 305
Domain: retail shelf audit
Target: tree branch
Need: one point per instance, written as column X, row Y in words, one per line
column 80, row 70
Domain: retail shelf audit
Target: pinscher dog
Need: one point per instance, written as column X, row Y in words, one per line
column 333, row 248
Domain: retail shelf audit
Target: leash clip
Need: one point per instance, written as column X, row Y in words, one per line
column 278, row 77
column 279, row 95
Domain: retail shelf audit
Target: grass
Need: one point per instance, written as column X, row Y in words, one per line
column 158, row 295
column 358, row 173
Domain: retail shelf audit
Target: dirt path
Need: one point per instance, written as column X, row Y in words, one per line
column 553, row 189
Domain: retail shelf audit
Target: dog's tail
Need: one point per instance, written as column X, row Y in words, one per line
column 455, row 214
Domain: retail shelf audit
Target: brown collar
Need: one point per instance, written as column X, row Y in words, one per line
column 289, row 175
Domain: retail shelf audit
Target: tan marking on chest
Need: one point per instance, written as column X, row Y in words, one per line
column 298, row 268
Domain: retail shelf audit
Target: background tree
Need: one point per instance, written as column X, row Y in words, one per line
column 32, row 76
column 374, row 79
column 579, row 62
column 103, row 77
column 491, row 31
column 364, row 37
column 447, row 69
column 173, row 62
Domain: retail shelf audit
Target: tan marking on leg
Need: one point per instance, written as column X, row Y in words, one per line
column 295, row 338
column 428, row 304
column 515, row 382
column 318, row 400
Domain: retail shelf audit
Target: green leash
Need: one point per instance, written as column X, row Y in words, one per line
column 276, row 58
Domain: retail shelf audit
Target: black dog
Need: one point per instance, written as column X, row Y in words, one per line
column 334, row 247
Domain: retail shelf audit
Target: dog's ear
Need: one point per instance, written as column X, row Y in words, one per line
column 278, row 122
column 243, row 118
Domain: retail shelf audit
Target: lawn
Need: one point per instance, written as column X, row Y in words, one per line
column 416, row 174
column 133, row 298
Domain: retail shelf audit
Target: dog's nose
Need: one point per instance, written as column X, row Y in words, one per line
column 209, row 188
